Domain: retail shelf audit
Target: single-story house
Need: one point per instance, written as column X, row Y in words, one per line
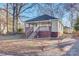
column 43, row 26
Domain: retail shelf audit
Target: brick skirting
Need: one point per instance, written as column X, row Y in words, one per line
column 42, row 34
column 54, row 34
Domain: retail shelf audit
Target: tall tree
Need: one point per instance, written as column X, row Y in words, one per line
column 7, row 16
column 16, row 10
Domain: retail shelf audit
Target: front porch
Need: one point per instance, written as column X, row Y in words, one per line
column 40, row 29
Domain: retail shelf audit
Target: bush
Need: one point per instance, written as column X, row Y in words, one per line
column 20, row 30
column 76, row 26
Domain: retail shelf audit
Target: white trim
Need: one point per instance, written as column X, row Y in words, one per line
column 38, row 21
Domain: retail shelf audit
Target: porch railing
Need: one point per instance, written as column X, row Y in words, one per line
column 28, row 31
column 36, row 32
column 39, row 29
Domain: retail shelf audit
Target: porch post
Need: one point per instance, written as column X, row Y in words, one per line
column 51, row 28
column 25, row 29
column 33, row 27
column 39, row 29
column 29, row 24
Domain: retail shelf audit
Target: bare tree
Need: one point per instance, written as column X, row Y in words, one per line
column 70, row 8
column 16, row 10
column 7, row 16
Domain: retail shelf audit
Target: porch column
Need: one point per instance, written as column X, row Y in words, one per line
column 25, row 27
column 39, row 29
column 29, row 25
column 33, row 27
column 51, row 29
column 49, row 26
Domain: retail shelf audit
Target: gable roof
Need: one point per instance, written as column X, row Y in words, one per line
column 41, row 18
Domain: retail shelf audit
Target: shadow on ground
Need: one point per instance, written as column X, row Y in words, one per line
column 74, row 50
column 12, row 36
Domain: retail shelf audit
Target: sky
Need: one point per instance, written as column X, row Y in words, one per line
column 66, row 21
column 34, row 14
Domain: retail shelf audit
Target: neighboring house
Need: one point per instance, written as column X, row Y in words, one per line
column 43, row 26
column 67, row 29
column 3, row 28
column 3, row 22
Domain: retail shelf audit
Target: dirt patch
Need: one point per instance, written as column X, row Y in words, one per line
column 34, row 47
column 18, row 47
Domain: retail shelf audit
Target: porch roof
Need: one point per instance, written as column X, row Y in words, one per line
column 41, row 18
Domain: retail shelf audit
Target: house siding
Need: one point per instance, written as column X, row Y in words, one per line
column 57, row 29
column 54, row 25
column 48, row 29
column 60, row 29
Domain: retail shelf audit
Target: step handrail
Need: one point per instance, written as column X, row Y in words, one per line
column 29, row 31
column 36, row 31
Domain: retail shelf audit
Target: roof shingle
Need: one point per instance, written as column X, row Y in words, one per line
column 40, row 18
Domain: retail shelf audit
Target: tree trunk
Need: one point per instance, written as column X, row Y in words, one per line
column 7, row 16
column 16, row 17
column 13, row 18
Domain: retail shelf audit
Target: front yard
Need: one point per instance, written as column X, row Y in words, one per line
column 24, row 47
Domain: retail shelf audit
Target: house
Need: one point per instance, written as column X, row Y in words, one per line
column 43, row 26
column 3, row 27
column 8, row 25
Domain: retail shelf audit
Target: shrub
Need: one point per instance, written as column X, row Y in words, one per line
column 76, row 26
column 20, row 30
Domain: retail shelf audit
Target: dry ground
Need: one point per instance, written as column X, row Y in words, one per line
column 24, row 47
